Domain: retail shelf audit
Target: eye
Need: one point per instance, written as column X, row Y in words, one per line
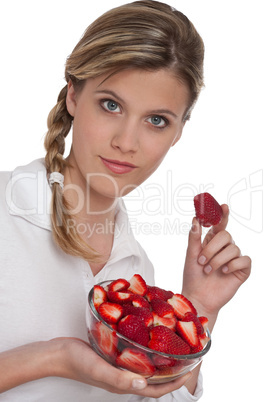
column 158, row 121
column 110, row 105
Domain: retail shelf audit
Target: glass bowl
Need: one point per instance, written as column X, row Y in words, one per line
column 156, row 367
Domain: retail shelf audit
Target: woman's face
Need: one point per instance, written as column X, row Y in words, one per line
column 124, row 125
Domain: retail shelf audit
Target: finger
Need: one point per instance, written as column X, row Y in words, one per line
column 241, row 267
column 119, row 381
column 159, row 390
column 223, row 223
column 217, row 228
column 223, row 258
column 194, row 241
column 221, row 240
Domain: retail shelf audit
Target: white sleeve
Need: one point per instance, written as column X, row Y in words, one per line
column 180, row 395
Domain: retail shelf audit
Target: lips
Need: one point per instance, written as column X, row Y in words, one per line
column 118, row 167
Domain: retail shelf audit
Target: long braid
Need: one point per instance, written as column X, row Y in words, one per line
column 59, row 123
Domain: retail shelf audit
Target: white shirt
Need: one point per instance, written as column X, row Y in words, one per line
column 43, row 291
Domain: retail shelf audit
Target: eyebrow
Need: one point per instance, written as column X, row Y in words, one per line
column 157, row 111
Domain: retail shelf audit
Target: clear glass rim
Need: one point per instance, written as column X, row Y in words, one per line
column 147, row 350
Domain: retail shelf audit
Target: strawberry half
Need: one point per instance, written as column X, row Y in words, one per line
column 204, row 322
column 138, row 285
column 136, row 361
column 208, row 210
column 134, row 328
column 106, row 339
column 99, row 296
column 188, row 332
column 167, row 322
column 119, row 297
column 195, row 319
column 139, row 301
column 181, row 305
column 165, row 340
column 119, row 285
column 110, row 312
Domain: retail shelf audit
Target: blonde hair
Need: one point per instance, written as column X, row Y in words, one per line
column 144, row 34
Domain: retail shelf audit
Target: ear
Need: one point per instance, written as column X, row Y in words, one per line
column 71, row 99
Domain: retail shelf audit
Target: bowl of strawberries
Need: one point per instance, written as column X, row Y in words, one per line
column 146, row 329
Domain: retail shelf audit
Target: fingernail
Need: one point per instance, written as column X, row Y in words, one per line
column 208, row 269
column 202, row 260
column 225, row 269
column 138, row 383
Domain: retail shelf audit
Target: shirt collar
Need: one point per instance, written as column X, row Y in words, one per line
column 28, row 195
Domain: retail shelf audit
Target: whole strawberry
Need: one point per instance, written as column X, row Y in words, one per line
column 165, row 340
column 134, row 328
column 208, row 210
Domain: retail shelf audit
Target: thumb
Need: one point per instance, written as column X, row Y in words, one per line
column 194, row 240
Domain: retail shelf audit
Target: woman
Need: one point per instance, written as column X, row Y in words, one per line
column 132, row 82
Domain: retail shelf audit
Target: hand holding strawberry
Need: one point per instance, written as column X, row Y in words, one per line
column 214, row 270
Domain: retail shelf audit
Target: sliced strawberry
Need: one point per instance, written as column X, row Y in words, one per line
column 154, row 292
column 167, row 322
column 197, row 348
column 119, row 285
column 99, row 296
column 119, row 297
column 188, row 332
column 203, row 339
column 106, row 339
column 161, row 362
column 192, row 317
column 140, row 301
column 204, row 322
column 134, row 328
column 137, row 285
column 208, row 210
column 136, row 361
column 144, row 313
column 165, row 340
column 181, row 305
column 110, row 312
column 162, row 308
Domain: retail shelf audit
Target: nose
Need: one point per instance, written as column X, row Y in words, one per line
column 126, row 137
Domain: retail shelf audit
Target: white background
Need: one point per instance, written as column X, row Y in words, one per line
column 223, row 150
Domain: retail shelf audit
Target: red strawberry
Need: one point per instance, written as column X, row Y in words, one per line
column 119, row 297
column 154, row 292
column 192, row 317
column 162, row 308
column 106, row 339
column 167, row 322
column 139, row 301
column 208, row 210
column 197, row 348
column 134, row 328
column 204, row 321
column 203, row 339
column 110, row 312
column 165, row 340
column 99, row 296
column 181, row 305
column 188, row 332
column 144, row 313
column 119, row 285
column 137, row 285
column 136, row 361
column 162, row 362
